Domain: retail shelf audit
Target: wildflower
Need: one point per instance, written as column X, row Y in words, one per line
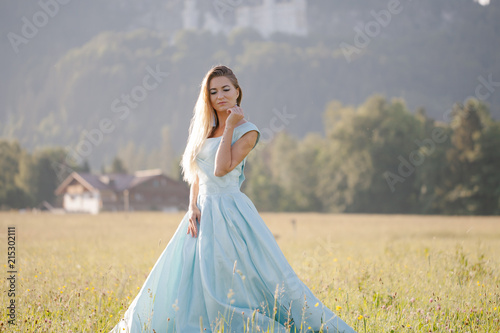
column 175, row 306
column 360, row 317
column 338, row 308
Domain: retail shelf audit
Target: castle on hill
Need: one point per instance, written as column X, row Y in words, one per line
column 267, row 17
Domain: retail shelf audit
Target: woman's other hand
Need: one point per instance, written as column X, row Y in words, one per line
column 194, row 218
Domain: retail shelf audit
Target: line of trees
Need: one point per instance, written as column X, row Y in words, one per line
column 375, row 158
column 382, row 158
column 28, row 179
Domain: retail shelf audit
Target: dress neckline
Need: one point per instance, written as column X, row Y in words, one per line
column 216, row 137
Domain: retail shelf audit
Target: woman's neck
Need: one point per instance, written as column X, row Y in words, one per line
column 222, row 118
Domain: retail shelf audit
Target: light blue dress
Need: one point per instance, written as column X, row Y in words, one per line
column 233, row 276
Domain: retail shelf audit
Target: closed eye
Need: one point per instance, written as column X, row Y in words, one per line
column 213, row 92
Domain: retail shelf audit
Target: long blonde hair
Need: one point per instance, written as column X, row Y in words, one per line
column 204, row 121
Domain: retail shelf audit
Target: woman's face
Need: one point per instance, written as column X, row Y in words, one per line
column 223, row 94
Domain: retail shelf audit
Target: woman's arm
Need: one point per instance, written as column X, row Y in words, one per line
column 193, row 193
column 228, row 157
column 194, row 211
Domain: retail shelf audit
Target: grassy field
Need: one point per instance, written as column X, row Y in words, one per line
column 79, row 273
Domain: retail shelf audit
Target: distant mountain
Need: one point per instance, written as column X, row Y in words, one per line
column 67, row 69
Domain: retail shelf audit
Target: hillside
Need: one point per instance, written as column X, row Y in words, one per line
column 78, row 68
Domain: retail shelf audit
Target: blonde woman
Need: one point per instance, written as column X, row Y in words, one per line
column 222, row 270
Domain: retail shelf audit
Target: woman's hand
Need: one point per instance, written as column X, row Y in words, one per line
column 194, row 219
column 235, row 115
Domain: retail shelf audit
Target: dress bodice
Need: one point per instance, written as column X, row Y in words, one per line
column 209, row 183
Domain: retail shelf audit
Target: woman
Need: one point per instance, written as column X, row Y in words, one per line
column 223, row 269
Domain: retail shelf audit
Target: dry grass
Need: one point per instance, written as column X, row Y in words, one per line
column 78, row 273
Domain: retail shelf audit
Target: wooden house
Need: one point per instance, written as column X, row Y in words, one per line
column 143, row 190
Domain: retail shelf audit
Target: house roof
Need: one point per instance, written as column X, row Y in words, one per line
column 116, row 182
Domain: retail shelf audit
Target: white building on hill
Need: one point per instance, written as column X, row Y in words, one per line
column 288, row 17
column 268, row 17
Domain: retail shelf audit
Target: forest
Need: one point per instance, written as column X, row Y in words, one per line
column 377, row 157
column 78, row 68
column 406, row 123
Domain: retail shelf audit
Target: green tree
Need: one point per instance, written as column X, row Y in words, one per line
column 85, row 167
column 117, row 166
column 260, row 185
column 10, row 153
column 11, row 196
column 365, row 147
column 471, row 184
column 304, row 164
column 46, row 163
column 27, row 177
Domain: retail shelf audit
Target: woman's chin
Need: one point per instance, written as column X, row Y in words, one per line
column 222, row 109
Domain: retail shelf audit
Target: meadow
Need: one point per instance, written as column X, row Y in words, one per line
column 380, row 273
